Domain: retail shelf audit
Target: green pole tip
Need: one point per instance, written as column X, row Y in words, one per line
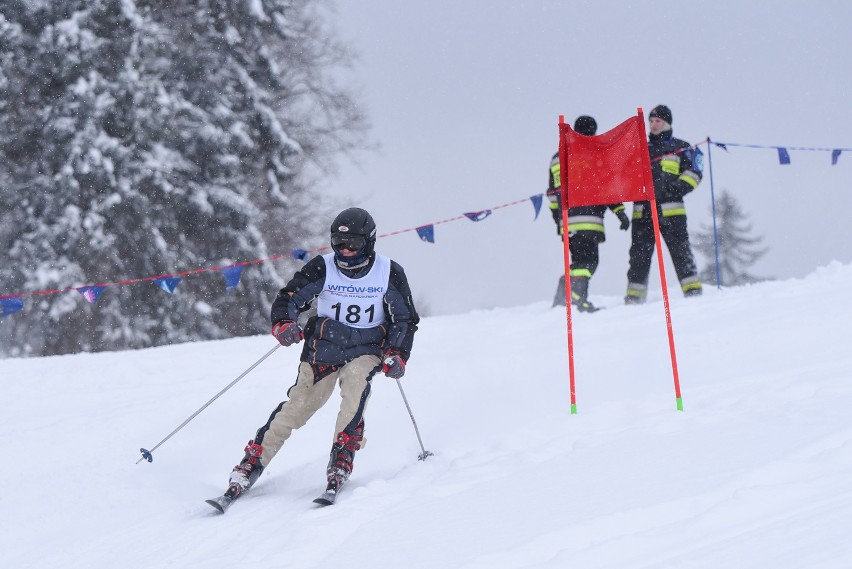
column 573, row 408
column 679, row 404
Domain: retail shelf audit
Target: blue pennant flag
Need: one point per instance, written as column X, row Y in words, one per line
column 232, row 276
column 11, row 305
column 783, row 155
column 478, row 215
column 91, row 293
column 427, row 233
column 536, row 200
column 835, row 154
column 698, row 160
column 168, row 284
column 299, row 254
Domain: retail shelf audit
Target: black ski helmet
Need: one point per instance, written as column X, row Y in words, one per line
column 353, row 226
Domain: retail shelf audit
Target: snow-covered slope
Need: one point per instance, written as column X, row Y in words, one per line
column 756, row 472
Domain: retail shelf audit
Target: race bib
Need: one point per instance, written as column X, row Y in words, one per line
column 355, row 302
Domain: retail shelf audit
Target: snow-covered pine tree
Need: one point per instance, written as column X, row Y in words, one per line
column 738, row 249
column 150, row 137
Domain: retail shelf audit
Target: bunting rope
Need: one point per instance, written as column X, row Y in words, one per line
column 11, row 303
column 806, row 148
column 783, row 151
column 179, row 276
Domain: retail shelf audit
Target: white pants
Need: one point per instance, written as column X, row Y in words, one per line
column 307, row 396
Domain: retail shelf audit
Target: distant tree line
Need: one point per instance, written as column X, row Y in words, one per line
column 147, row 137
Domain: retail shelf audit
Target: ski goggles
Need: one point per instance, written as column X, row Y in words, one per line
column 340, row 241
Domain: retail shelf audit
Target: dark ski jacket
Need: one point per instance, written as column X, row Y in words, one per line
column 330, row 342
column 676, row 168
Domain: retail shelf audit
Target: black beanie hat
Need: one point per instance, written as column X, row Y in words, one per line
column 661, row 112
column 586, row 125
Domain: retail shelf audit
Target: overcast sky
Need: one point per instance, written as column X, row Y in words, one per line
column 465, row 97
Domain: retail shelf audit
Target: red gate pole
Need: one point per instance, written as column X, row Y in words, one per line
column 563, row 182
column 649, row 183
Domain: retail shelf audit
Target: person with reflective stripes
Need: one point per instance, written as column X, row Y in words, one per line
column 676, row 168
column 585, row 230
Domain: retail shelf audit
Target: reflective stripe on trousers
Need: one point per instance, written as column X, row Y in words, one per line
column 585, row 223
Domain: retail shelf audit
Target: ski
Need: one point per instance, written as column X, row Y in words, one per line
column 221, row 504
column 326, row 498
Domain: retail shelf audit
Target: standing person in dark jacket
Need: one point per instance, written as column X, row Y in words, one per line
column 364, row 324
column 676, row 168
column 585, row 230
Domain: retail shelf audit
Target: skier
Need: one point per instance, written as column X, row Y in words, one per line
column 364, row 323
column 676, row 168
column 585, row 230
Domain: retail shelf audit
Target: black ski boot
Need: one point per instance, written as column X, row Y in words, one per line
column 580, row 293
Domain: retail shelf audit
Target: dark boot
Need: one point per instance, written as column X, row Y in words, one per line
column 246, row 472
column 580, row 294
column 696, row 291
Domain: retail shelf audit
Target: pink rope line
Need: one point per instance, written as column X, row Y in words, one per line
column 456, row 218
column 192, row 272
column 139, row 280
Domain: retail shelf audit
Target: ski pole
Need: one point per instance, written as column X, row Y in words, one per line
column 423, row 455
column 147, row 454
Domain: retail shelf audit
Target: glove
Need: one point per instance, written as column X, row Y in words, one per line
column 393, row 365
column 625, row 221
column 287, row 333
column 679, row 188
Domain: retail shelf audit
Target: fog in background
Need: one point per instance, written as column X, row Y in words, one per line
column 465, row 99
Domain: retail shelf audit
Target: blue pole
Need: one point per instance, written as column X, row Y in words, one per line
column 713, row 205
